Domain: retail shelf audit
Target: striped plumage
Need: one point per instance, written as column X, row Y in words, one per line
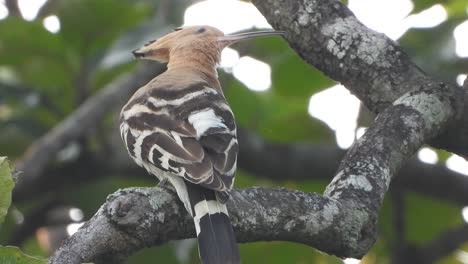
column 189, row 132
column 179, row 127
column 188, row 136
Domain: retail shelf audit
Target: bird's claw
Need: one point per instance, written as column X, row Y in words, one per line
column 164, row 184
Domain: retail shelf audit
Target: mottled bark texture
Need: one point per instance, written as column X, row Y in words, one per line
column 327, row 35
column 138, row 217
column 341, row 222
column 412, row 108
column 296, row 161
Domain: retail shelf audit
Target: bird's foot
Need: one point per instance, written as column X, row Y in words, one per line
column 164, row 184
column 222, row 197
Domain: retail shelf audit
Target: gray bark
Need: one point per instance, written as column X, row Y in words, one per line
column 139, row 217
column 347, row 212
column 327, row 35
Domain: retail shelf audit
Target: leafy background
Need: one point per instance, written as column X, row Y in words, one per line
column 44, row 77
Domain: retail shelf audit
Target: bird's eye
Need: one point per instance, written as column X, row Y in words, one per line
column 201, row 30
column 177, row 28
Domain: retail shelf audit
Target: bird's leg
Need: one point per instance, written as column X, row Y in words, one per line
column 164, row 183
column 222, row 197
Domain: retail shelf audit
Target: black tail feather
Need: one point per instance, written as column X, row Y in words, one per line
column 216, row 239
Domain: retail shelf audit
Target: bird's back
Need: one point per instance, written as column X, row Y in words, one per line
column 185, row 132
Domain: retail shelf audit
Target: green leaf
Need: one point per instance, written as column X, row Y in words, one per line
column 443, row 155
column 453, row 7
column 164, row 254
column 90, row 196
column 38, row 57
column 244, row 103
column 294, row 77
column 22, row 40
column 420, row 5
column 280, row 114
column 104, row 76
column 287, row 120
column 275, row 117
column 89, row 25
column 6, row 186
column 425, row 218
column 13, row 255
column 456, row 8
column 283, row 252
column 291, row 75
column 442, row 215
column 430, row 48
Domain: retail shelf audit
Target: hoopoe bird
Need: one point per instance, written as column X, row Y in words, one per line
column 180, row 128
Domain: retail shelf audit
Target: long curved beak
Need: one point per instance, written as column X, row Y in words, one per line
column 229, row 39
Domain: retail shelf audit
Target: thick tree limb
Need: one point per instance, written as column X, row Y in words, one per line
column 140, row 217
column 373, row 67
column 347, row 212
column 48, row 7
column 296, row 161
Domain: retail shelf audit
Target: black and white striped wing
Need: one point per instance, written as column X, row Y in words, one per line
column 188, row 132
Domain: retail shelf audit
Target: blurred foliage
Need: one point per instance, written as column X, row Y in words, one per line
column 44, row 77
column 434, row 48
column 454, row 7
column 12, row 255
column 280, row 114
column 6, row 187
column 447, row 216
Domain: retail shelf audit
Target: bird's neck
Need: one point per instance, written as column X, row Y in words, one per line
column 202, row 65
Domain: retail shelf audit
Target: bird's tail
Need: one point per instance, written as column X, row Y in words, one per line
column 216, row 240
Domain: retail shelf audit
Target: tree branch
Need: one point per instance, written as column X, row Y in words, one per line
column 296, row 161
column 348, row 210
column 140, row 217
column 46, row 9
column 13, row 9
column 327, row 35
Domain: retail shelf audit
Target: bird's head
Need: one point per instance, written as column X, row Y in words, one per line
column 186, row 42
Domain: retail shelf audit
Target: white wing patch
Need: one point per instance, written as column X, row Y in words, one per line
column 164, row 161
column 205, row 119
